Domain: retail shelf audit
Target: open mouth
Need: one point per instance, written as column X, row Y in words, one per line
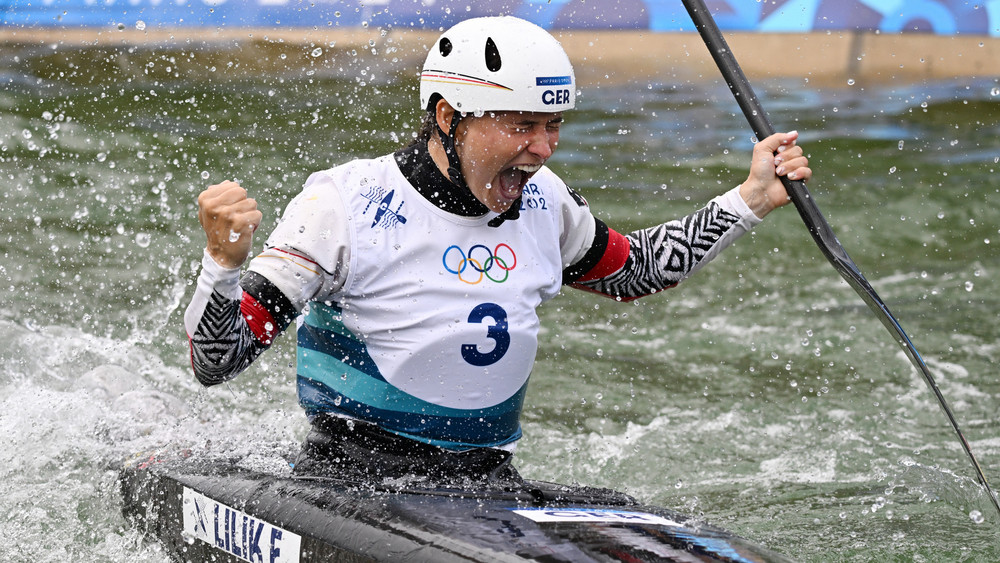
column 513, row 179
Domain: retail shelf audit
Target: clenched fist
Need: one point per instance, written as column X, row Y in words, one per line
column 229, row 218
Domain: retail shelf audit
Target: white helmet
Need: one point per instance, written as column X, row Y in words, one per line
column 498, row 64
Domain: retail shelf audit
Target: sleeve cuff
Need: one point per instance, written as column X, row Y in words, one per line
column 733, row 202
column 224, row 280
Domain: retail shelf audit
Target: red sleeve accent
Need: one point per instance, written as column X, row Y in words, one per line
column 259, row 319
column 615, row 256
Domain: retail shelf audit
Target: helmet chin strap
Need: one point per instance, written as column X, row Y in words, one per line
column 455, row 170
column 448, row 142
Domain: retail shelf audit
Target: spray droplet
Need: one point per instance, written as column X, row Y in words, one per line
column 233, row 236
column 140, row 25
column 850, row 82
column 901, row 145
column 143, row 239
column 204, row 174
column 977, row 517
column 317, row 52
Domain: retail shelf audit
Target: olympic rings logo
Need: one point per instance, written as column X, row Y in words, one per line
column 480, row 262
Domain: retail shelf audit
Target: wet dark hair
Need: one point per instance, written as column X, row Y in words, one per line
column 428, row 127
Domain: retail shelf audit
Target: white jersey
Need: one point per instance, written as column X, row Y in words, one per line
column 417, row 319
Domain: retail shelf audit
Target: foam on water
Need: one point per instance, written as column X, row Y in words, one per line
column 67, row 433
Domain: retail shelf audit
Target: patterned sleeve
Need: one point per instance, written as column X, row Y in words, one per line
column 231, row 321
column 649, row 260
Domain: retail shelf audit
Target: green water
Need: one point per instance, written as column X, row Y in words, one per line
column 761, row 395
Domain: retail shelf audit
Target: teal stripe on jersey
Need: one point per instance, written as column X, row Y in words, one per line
column 336, row 374
column 453, row 433
column 324, row 332
column 359, row 386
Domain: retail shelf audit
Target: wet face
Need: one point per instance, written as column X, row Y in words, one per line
column 500, row 151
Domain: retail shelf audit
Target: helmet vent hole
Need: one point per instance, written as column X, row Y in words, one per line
column 493, row 61
column 444, row 46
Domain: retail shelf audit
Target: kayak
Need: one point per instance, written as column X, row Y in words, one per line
column 228, row 510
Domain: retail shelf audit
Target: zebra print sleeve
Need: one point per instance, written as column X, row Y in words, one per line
column 223, row 344
column 660, row 257
column 230, row 326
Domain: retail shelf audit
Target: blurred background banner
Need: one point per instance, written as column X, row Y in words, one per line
column 942, row 17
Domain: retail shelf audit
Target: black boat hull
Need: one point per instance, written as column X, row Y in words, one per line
column 220, row 511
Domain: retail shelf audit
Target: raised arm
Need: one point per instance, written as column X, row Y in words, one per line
column 649, row 260
column 228, row 323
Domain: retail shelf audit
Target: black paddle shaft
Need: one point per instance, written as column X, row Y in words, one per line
column 813, row 218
